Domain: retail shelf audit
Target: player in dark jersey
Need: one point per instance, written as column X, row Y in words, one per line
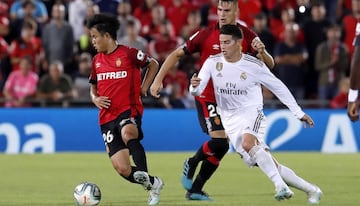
column 206, row 42
column 116, row 89
column 353, row 98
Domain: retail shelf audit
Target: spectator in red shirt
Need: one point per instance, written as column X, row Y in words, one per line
column 192, row 24
column 349, row 21
column 175, row 90
column 164, row 44
column 26, row 45
column 143, row 13
column 177, row 13
column 278, row 28
column 157, row 18
column 341, row 99
column 248, row 10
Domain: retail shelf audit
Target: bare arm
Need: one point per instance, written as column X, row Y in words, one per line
column 355, row 70
column 169, row 62
column 152, row 69
column 353, row 102
column 266, row 58
column 262, row 54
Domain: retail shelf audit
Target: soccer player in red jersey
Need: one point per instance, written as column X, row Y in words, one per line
column 353, row 98
column 116, row 89
column 210, row 153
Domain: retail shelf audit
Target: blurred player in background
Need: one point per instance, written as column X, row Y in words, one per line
column 116, row 89
column 206, row 42
column 237, row 78
column 353, row 99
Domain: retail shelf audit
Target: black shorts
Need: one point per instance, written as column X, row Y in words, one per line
column 111, row 132
column 209, row 118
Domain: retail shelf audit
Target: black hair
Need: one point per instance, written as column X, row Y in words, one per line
column 29, row 24
column 233, row 30
column 260, row 16
column 234, row 1
column 334, row 26
column 27, row 58
column 28, row 2
column 104, row 23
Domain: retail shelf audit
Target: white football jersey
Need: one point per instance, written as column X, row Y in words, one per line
column 237, row 85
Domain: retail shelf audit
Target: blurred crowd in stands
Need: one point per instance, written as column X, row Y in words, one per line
column 46, row 51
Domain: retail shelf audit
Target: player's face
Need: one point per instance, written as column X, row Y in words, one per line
column 230, row 48
column 227, row 13
column 98, row 40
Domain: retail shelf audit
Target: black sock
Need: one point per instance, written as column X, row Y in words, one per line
column 130, row 178
column 138, row 154
column 218, row 147
column 206, row 170
column 194, row 161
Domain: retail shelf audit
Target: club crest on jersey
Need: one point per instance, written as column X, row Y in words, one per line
column 243, row 76
column 118, row 62
column 219, row 66
column 217, row 121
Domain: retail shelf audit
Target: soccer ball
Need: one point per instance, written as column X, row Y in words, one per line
column 87, row 193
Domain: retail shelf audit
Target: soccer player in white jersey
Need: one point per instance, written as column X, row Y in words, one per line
column 237, row 79
column 353, row 96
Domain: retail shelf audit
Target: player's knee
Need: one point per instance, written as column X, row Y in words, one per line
column 221, row 147
column 121, row 169
column 128, row 135
column 247, row 146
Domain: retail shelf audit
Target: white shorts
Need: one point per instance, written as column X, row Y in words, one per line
column 238, row 122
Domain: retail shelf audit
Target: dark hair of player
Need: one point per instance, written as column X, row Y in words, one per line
column 234, row 2
column 233, row 30
column 104, row 23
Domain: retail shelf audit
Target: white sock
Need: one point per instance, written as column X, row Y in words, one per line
column 289, row 176
column 267, row 165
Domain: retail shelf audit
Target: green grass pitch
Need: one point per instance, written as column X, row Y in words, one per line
column 49, row 180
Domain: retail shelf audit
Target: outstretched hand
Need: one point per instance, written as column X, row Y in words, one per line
column 258, row 45
column 306, row 119
column 156, row 88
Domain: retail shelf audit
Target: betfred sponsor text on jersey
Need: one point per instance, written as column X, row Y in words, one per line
column 111, row 75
